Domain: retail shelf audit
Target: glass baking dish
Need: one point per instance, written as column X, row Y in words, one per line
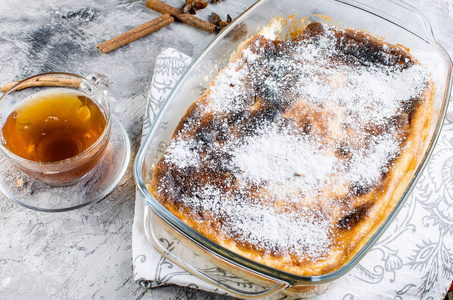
column 395, row 21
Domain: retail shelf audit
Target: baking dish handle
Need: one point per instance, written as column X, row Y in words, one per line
column 152, row 237
column 399, row 13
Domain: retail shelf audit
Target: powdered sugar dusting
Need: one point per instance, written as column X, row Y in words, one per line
column 266, row 226
column 287, row 125
column 182, row 154
column 227, row 94
column 282, row 158
column 368, row 164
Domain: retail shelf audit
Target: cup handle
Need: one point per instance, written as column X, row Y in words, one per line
column 100, row 81
column 151, row 236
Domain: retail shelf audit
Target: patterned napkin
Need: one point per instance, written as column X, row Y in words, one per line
column 412, row 260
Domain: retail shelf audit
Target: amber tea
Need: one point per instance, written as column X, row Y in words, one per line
column 53, row 125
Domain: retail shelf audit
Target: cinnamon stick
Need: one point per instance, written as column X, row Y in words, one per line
column 135, row 33
column 65, row 82
column 176, row 13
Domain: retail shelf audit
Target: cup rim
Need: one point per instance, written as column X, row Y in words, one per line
column 100, row 139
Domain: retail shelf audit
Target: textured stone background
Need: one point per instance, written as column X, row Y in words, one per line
column 86, row 253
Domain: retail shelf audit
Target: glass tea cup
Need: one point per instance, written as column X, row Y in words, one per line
column 55, row 127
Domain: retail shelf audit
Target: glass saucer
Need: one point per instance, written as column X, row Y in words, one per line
column 36, row 195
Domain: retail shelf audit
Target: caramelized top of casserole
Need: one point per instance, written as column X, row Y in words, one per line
column 299, row 148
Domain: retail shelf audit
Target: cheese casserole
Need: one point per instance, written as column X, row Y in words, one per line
column 300, row 147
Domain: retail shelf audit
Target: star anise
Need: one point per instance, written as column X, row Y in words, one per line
column 215, row 19
column 191, row 6
column 201, row 4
